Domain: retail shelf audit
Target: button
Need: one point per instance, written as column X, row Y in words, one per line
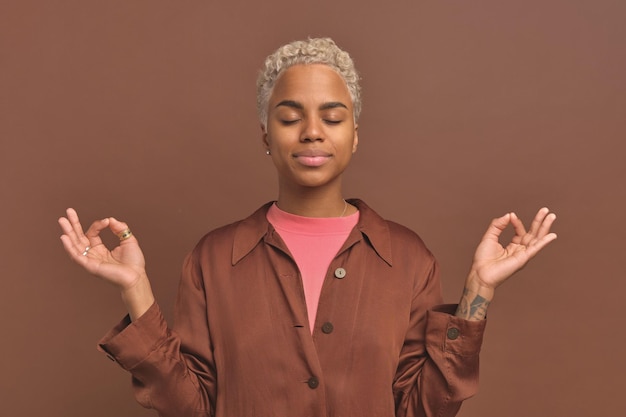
column 327, row 327
column 313, row 382
column 340, row 273
column 453, row 333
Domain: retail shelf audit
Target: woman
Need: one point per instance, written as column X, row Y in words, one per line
column 313, row 305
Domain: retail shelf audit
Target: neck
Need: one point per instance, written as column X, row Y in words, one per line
column 314, row 204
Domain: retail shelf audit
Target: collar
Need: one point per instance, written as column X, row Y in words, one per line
column 251, row 230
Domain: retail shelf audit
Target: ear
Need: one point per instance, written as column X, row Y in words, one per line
column 266, row 144
column 355, row 142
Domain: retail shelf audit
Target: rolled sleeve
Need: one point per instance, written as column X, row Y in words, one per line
column 129, row 343
column 451, row 334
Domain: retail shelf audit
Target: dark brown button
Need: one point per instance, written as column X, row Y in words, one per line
column 327, row 327
column 313, row 382
column 453, row 333
column 340, row 273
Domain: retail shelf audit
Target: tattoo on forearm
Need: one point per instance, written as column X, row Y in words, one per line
column 476, row 309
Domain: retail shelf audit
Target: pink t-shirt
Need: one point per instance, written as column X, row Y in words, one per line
column 313, row 243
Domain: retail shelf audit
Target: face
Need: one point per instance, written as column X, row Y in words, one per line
column 310, row 133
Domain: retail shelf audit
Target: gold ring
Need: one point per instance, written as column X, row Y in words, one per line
column 125, row 234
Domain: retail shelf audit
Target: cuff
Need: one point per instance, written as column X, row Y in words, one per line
column 129, row 343
column 453, row 334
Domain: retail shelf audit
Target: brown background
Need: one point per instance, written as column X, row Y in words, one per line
column 145, row 110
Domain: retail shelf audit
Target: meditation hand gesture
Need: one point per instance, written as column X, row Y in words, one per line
column 493, row 263
column 124, row 266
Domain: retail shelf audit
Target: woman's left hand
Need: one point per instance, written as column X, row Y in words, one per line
column 493, row 263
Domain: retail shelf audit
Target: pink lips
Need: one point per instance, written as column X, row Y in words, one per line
column 312, row 158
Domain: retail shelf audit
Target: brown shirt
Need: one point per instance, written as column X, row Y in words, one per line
column 241, row 345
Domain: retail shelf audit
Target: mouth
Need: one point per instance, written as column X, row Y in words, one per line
column 312, row 158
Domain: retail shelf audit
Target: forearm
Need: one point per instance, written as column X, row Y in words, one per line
column 475, row 300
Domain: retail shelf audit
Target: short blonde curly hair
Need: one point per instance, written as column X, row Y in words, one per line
column 310, row 51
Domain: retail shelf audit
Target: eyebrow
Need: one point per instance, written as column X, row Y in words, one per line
column 333, row 105
column 297, row 105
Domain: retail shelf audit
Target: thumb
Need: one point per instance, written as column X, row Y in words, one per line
column 120, row 229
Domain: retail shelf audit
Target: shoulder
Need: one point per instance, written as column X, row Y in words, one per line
column 218, row 236
column 233, row 237
column 391, row 240
column 402, row 234
column 408, row 245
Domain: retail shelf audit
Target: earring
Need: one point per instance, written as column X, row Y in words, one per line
column 267, row 152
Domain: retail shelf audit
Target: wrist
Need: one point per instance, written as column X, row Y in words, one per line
column 475, row 285
column 138, row 298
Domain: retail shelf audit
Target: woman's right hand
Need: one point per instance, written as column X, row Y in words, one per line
column 124, row 266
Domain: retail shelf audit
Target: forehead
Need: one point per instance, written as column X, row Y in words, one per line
column 312, row 84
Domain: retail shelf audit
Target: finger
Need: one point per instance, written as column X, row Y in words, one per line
column 539, row 244
column 546, row 225
column 518, row 225
column 73, row 250
column 497, row 226
column 66, row 223
column 93, row 233
column 72, row 229
column 74, row 221
column 66, row 227
column 538, row 220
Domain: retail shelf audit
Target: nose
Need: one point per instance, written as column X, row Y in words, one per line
column 312, row 130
